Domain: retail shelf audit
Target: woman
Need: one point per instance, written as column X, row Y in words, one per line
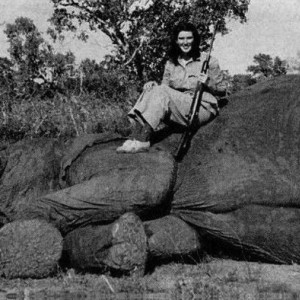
column 172, row 99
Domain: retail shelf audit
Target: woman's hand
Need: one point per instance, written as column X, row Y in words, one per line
column 149, row 85
column 203, row 78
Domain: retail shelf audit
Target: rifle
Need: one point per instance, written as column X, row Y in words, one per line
column 192, row 116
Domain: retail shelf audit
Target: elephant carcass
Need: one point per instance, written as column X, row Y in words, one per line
column 237, row 186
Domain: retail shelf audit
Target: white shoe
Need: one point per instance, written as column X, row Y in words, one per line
column 133, row 146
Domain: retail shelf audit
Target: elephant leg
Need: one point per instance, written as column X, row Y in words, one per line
column 258, row 232
column 29, row 248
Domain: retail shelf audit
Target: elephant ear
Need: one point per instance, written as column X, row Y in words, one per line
column 77, row 146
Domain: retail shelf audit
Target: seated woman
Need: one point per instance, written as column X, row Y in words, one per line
column 172, row 99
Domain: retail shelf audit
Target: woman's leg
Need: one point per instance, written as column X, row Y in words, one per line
column 150, row 110
column 205, row 115
column 153, row 107
column 162, row 101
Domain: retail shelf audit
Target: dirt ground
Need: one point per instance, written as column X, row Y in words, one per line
column 215, row 279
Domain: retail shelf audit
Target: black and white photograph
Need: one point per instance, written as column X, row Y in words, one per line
column 150, row 149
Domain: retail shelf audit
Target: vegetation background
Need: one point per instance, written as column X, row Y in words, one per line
column 45, row 93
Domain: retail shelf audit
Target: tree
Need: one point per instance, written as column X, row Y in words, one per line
column 25, row 41
column 140, row 33
column 279, row 66
column 5, row 72
column 293, row 64
column 267, row 66
column 263, row 65
column 31, row 57
column 108, row 81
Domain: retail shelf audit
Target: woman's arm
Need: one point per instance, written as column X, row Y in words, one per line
column 166, row 78
column 216, row 83
column 167, row 74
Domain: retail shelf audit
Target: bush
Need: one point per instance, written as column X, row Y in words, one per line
column 241, row 81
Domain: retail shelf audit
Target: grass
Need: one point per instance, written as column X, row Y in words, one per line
column 61, row 116
column 226, row 279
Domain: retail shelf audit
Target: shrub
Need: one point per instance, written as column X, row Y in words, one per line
column 63, row 115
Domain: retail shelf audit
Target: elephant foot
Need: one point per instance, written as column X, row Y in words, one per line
column 120, row 246
column 29, row 248
column 129, row 245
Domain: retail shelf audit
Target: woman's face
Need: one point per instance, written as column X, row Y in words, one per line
column 185, row 41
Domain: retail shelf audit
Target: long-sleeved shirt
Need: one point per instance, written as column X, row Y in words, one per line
column 184, row 77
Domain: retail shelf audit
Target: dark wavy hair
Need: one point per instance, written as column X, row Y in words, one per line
column 174, row 50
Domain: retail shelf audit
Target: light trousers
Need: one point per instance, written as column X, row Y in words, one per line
column 164, row 103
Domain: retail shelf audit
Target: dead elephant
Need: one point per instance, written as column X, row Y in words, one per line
column 237, row 188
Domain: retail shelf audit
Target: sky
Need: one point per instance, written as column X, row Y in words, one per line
column 273, row 28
